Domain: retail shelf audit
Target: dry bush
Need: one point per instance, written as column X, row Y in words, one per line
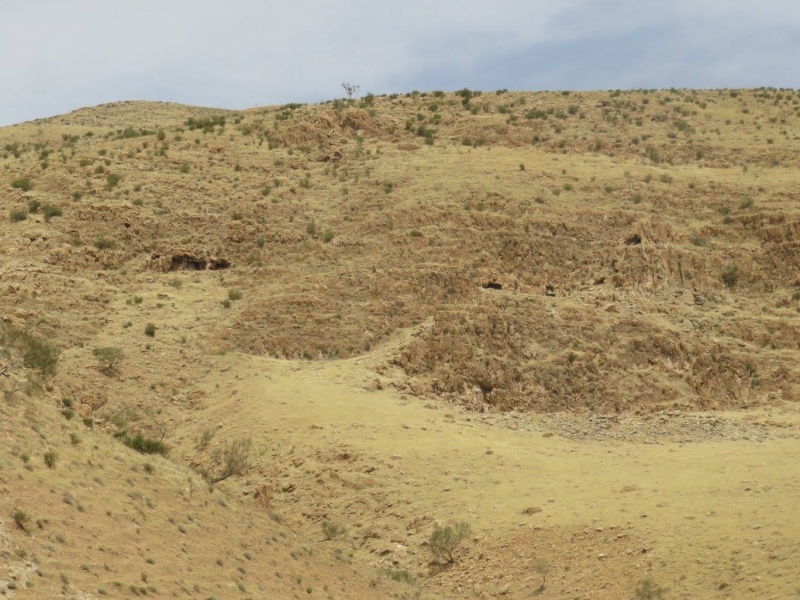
column 232, row 459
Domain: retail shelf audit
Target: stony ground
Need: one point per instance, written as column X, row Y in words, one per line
column 569, row 320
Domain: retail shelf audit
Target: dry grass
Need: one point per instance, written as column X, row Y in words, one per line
column 416, row 288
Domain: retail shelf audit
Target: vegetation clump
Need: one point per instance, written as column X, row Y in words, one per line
column 145, row 445
column 108, row 356
column 22, row 183
column 444, row 541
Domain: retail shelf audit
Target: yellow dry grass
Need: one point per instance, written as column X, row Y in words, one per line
column 617, row 409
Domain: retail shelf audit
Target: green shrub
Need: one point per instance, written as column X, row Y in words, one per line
column 648, row 590
column 311, row 227
column 104, row 243
column 108, row 356
column 21, row 519
column 145, row 445
column 234, row 294
column 400, row 575
column 41, row 355
column 328, row 236
column 150, row 330
column 49, row 211
column 184, row 168
column 112, row 180
column 22, row 183
column 33, row 205
column 697, row 240
column 332, row 530
column 50, row 459
column 444, row 541
column 17, row 215
column 730, row 275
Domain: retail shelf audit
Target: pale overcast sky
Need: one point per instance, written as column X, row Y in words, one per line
column 59, row 55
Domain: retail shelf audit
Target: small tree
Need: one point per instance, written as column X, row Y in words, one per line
column 542, row 566
column 444, row 541
column 109, row 357
column 351, row 90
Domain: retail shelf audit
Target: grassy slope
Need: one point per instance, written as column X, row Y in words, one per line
column 348, row 234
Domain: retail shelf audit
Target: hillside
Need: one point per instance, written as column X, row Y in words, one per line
column 404, row 310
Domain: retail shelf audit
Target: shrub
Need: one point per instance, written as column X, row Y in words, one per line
column 444, row 541
column 112, row 180
column 401, row 576
column 311, row 227
column 104, row 243
column 49, row 211
column 697, row 240
column 108, row 357
column 234, row 294
column 328, row 236
column 746, row 203
column 332, row 530
column 33, row 205
column 22, row 183
column 150, row 330
column 21, row 519
column 730, row 275
column 41, row 355
column 50, row 459
column 17, row 215
column 184, row 168
column 542, row 566
column 648, row 590
column 234, row 459
column 145, row 445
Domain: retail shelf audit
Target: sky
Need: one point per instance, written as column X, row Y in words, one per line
column 60, row 55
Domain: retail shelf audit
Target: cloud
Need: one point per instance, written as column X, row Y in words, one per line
column 57, row 55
